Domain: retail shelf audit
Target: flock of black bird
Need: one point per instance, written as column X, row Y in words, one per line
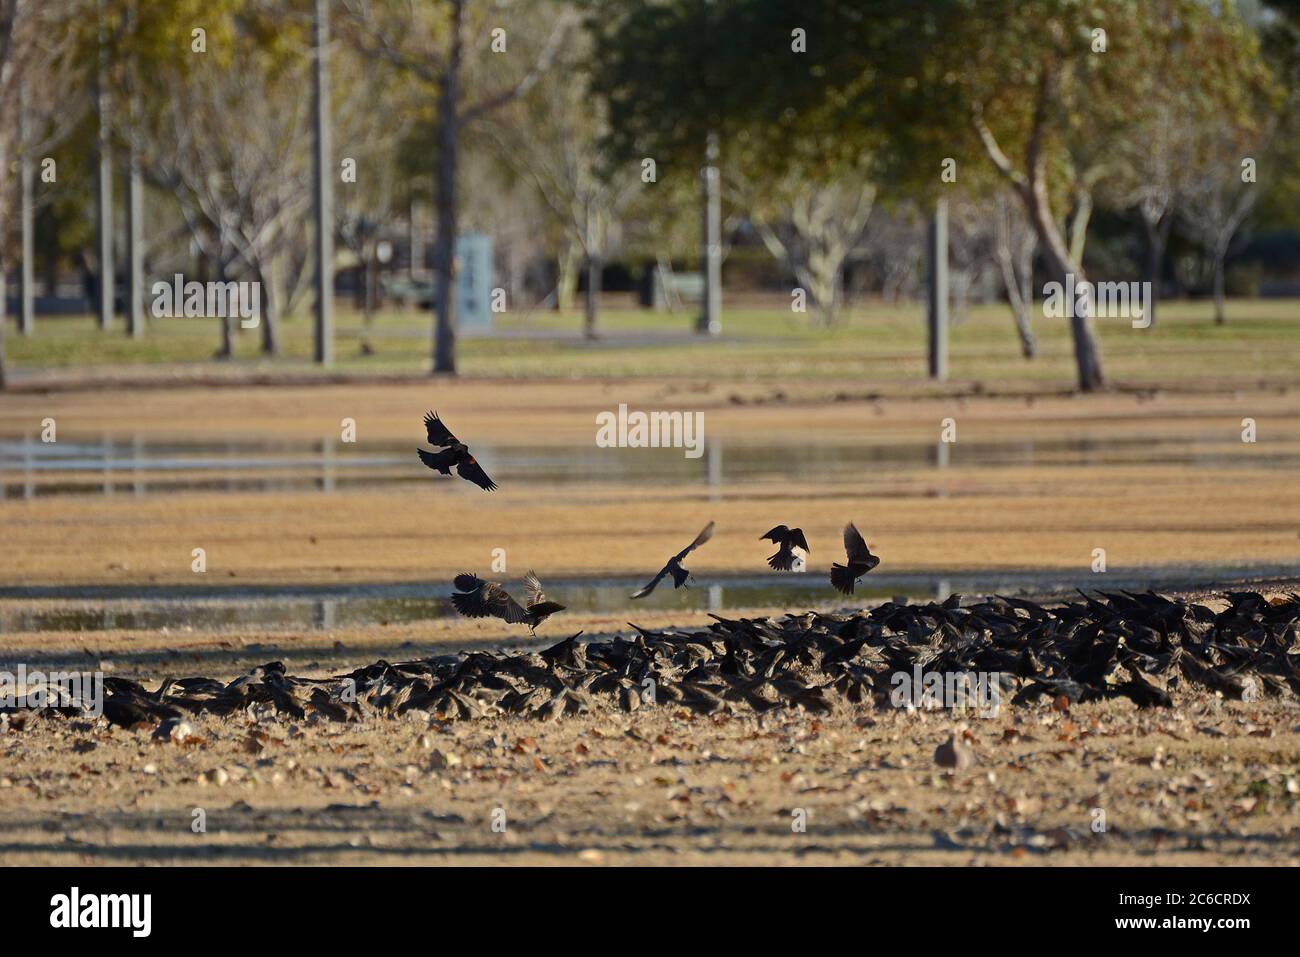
column 1144, row 647
column 476, row 598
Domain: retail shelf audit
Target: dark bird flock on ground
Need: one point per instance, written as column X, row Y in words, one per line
column 1144, row 647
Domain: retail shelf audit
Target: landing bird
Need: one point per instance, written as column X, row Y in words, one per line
column 860, row 561
column 476, row 598
column 787, row 540
column 453, row 452
column 674, row 566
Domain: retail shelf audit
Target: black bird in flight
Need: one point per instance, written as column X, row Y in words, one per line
column 786, row 540
column 674, row 566
column 860, row 561
column 453, row 452
column 476, row 598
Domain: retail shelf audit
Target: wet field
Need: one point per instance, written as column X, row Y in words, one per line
column 328, row 556
column 138, row 465
column 306, row 532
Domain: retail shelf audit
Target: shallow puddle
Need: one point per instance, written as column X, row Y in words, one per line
column 156, row 608
column 30, row 468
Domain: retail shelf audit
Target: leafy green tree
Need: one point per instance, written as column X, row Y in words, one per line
column 1041, row 90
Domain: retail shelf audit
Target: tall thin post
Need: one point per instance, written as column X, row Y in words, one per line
column 134, row 247
column 104, row 226
column 936, row 249
column 711, row 305
column 26, row 267
column 324, row 187
column 444, row 250
column 134, row 213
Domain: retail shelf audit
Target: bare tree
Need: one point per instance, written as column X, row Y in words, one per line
column 1221, row 193
column 1156, row 159
column 228, row 144
column 554, row 138
column 811, row 224
column 1015, row 245
column 368, row 202
column 35, row 47
column 893, row 250
column 443, row 44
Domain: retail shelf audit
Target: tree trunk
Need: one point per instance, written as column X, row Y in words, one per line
column 593, row 292
column 566, row 276
column 227, row 350
column 4, row 309
column 444, row 257
column 270, row 324
column 1087, row 353
column 1152, row 272
column 1220, row 254
column 1157, row 239
column 1019, row 293
column 417, row 243
column 368, row 304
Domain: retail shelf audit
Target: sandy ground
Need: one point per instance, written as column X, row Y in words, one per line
column 1205, row 783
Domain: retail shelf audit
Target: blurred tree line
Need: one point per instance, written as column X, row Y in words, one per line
column 1110, row 139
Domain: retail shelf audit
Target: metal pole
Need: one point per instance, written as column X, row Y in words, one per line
column 105, row 206
column 134, row 247
column 134, row 215
column 711, row 306
column 324, row 188
column 26, row 270
column 937, row 287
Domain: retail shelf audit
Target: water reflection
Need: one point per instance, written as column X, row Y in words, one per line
column 29, row 467
column 327, row 607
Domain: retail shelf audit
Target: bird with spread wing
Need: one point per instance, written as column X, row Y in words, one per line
column 859, row 558
column 674, row 566
column 476, row 598
column 453, row 453
column 787, row 541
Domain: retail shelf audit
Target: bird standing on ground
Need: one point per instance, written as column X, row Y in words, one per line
column 476, row 598
column 453, row 452
column 674, row 566
column 787, row 540
column 860, row 561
